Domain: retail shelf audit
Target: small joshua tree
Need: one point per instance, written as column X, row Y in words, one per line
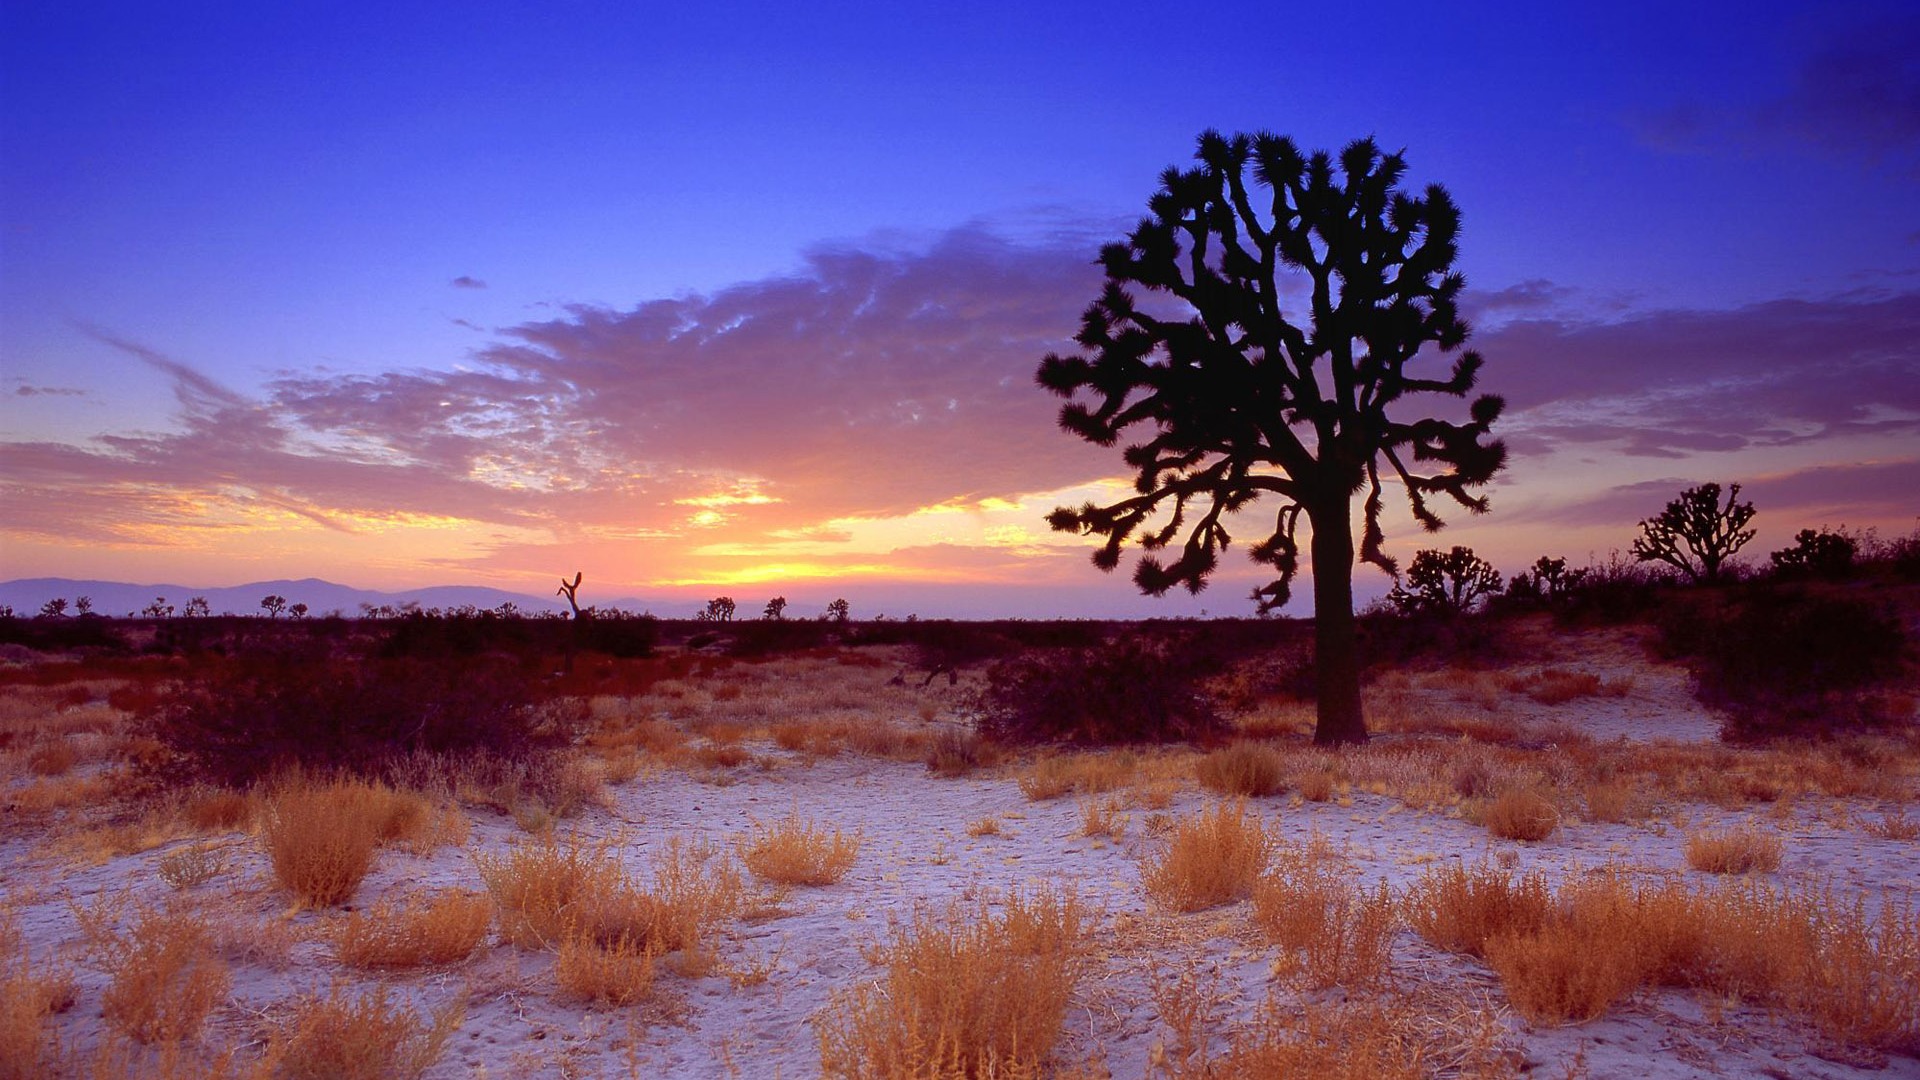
column 571, row 590
column 159, row 609
column 54, row 608
column 198, row 608
column 839, row 611
column 274, row 604
column 298, row 611
column 1696, row 534
column 776, row 608
column 1450, row 582
column 83, row 605
column 719, row 609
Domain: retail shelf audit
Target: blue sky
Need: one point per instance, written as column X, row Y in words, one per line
column 219, row 210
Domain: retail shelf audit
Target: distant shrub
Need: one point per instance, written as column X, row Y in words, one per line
column 1251, row 769
column 1816, row 553
column 620, row 634
column 1130, row 691
column 1787, row 661
column 241, row 719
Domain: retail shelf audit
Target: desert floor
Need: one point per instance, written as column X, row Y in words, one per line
column 1627, row 759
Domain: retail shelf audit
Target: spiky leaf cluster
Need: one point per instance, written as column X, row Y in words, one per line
column 1286, row 300
column 1446, row 581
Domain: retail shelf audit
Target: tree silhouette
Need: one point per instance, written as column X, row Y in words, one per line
column 159, row 609
column 719, row 609
column 776, row 608
column 1817, row 552
column 274, row 603
column 83, row 605
column 1244, row 399
column 1695, row 534
column 839, row 611
column 197, row 607
column 1446, row 581
column 54, row 608
column 572, row 592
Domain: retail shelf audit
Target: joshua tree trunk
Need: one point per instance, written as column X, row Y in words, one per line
column 1337, row 655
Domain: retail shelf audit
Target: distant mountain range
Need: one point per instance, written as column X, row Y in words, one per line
column 118, row 598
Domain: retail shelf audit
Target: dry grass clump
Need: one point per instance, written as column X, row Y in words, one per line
column 966, row 993
column 443, row 928
column 986, row 826
column 1734, row 851
column 1247, row 769
column 1335, row 933
column 1458, row 908
column 321, row 838
column 955, row 752
column 1102, row 817
column 611, row 973
column 1521, row 814
column 211, row 809
column 52, row 758
column 1392, row 1038
column 194, row 864
column 1212, row 858
column 1093, row 773
column 549, row 893
column 31, row 992
column 365, row 1037
column 797, row 852
column 1557, row 686
column 165, row 975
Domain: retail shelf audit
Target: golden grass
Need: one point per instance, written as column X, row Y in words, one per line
column 1520, row 815
column 547, row 892
column 321, row 838
column 165, row 977
column 1102, row 817
column 442, row 928
column 1211, row 858
column 1458, row 908
column 31, row 993
column 1734, row 851
column 966, row 993
column 368, row 1036
column 1248, row 769
column 1094, row 773
column 194, row 864
column 798, row 852
column 986, row 826
column 52, row 758
column 1332, row 932
column 209, row 809
column 611, row 973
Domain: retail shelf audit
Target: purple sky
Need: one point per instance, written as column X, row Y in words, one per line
column 742, row 300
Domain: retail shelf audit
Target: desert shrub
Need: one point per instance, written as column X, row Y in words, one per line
column 1054, row 775
column 966, row 993
column 797, row 852
column 1786, row 661
column 439, row 929
column 1733, row 851
column 616, row 972
column 955, row 752
column 365, row 1037
column 1458, row 908
column 1212, row 858
column 1819, row 553
column 1520, row 814
column 244, row 718
column 1306, row 904
column 31, row 992
column 321, row 838
column 1245, row 768
column 165, row 978
column 1136, row 689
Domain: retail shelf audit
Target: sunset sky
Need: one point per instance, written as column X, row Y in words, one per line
column 747, row 299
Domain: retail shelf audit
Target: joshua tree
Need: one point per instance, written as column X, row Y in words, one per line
column 776, row 608
column 197, row 607
column 1695, row 534
column 274, row 603
column 719, row 609
column 1242, row 397
column 571, row 590
column 839, row 611
column 298, row 611
column 83, row 605
column 54, row 608
column 159, row 609
column 1446, row 581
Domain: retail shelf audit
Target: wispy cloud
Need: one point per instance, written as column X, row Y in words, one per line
column 465, row 282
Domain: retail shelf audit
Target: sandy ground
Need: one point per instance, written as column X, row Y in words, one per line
column 917, row 851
